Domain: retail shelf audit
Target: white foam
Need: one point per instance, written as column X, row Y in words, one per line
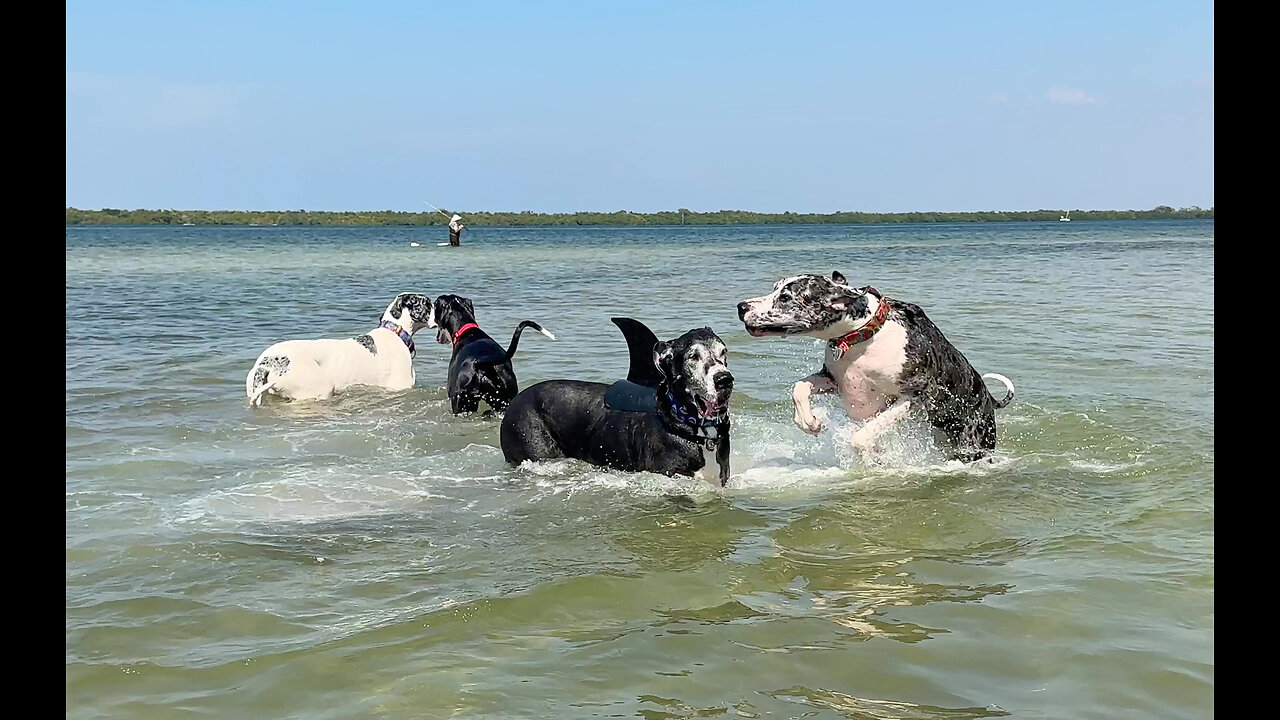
column 305, row 495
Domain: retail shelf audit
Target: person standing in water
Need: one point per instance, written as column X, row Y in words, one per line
column 455, row 230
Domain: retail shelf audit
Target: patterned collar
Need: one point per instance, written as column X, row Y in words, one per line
column 705, row 428
column 842, row 344
column 711, row 433
column 404, row 335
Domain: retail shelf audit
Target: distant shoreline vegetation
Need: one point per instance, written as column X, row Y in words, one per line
column 109, row 216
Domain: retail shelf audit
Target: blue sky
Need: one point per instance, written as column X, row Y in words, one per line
column 562, row 106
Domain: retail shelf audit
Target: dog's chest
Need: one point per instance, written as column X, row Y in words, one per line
column 710, row 470
column 869, row 375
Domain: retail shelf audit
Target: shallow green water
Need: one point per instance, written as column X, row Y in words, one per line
column 374, row 557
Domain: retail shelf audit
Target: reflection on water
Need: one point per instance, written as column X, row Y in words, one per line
column 374, row 556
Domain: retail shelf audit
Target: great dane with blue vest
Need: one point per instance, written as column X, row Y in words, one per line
column 318, row 369
column 670, row 416
column 884, row 357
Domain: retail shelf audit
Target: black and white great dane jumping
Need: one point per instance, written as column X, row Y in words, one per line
column 884, row 357
column 670, row 416
column 479, row 368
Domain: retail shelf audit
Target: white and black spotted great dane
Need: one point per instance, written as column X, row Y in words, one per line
column 883, row 356
column 318, row 369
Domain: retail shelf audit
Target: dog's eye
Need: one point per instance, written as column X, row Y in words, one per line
column 785, row 297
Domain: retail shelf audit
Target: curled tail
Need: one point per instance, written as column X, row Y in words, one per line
column 263, row 376
column 1008, row 385
column 515, row 337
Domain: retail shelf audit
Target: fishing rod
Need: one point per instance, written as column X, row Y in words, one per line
column 433, row 207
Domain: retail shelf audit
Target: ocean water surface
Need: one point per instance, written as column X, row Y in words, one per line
column 373, row 556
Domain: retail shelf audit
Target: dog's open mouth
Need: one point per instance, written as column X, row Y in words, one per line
column 765, row 330
column 710, row 408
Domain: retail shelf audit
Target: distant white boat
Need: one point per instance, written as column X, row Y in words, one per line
column 1065, row 218
column 188, row 224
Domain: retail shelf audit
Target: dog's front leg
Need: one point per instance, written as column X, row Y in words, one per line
column 819, row 382
column 865, row 438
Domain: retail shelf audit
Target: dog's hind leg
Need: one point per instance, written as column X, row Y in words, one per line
column 264, row 376
column 865, row 438
column 500, row 388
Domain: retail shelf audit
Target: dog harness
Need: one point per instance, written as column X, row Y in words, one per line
column 404, row 335
column 462, row 330
column 842, row 344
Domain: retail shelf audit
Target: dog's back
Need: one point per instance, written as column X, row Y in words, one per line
column 955, row 394
column 542, row 419
column 570, row 419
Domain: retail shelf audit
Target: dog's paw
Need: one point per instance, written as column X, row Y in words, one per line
column 807, row 423
column 864, row 445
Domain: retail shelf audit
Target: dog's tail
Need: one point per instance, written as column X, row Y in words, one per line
column 263, row 376
column 515, row 337
column 1008, row 385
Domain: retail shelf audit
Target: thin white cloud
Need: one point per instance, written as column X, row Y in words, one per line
column 1069, row 96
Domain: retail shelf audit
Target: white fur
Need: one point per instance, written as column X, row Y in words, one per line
column 702, row 376
column 866, row 376
column 868, row 373
column 710, row 471
column 320, row 368
column 1008, row 385
column 764, row 303
column 864, row 439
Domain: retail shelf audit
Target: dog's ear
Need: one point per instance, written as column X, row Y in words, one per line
column 397, row 306
column 664, row 358
column 852, row 303
column 839, row 278
column 420, row 308
column 470, row 308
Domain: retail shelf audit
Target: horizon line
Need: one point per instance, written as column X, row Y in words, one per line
column 650, row 212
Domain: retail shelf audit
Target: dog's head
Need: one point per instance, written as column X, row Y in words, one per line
column 449, row 314
column 411, row 311
column 695, row 368
column 807, row 305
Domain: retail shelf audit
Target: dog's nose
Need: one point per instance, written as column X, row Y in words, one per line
column 742, row 310
column 723, row 382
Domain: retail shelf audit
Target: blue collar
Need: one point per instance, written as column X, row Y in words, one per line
column 404, row 335
column 698, row 422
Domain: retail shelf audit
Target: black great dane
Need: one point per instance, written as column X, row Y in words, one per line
column 479, row 369
column 670, row 416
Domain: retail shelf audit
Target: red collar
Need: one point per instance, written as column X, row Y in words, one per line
column 842, row 344
column 458, row 335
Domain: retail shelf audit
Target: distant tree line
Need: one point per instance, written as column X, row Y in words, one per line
column 109, row 216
